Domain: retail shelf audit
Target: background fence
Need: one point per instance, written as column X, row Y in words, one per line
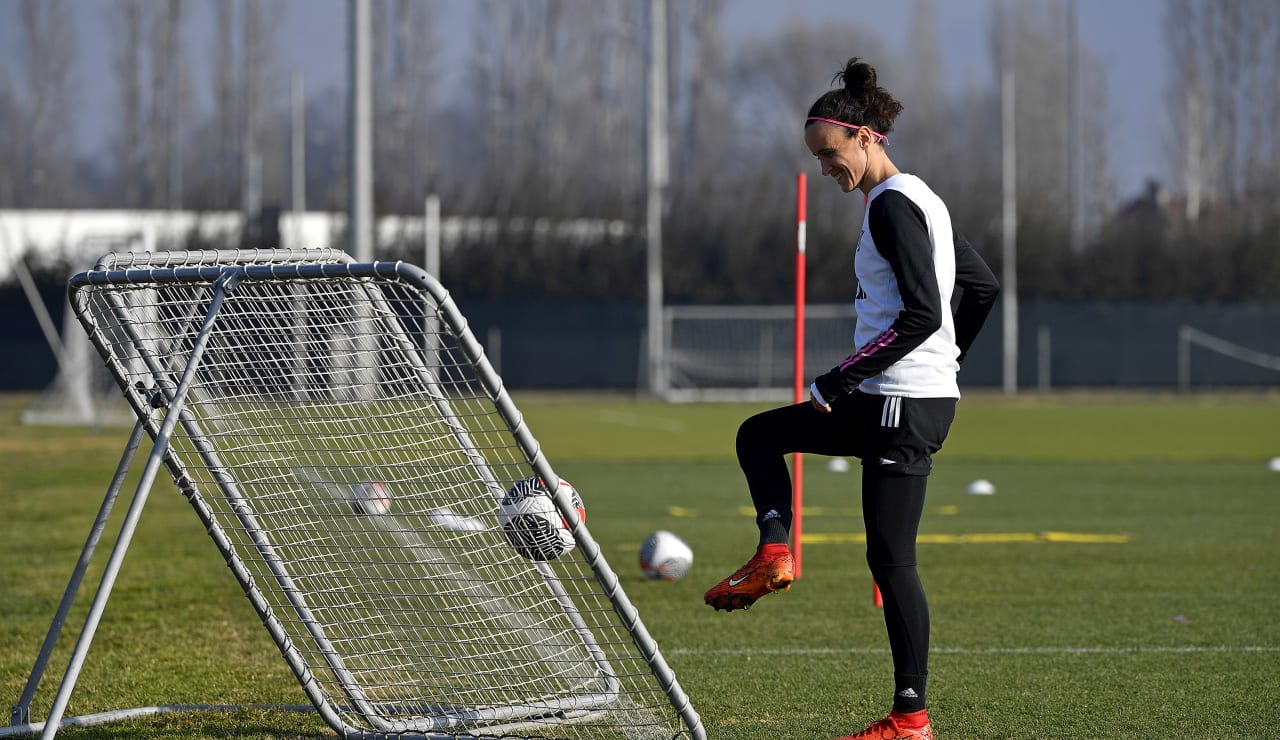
column 548, row 344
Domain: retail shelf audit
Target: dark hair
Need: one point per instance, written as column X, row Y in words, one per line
column 860, row 102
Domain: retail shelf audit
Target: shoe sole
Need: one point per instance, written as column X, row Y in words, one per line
column 731, row 601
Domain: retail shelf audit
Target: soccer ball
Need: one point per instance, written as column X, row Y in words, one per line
column 666, row 556
column 532, row 523
column 371, row 498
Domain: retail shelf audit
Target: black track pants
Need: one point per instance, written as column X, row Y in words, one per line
column 895, row 438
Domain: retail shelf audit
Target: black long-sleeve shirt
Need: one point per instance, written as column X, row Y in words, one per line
column 908, row 341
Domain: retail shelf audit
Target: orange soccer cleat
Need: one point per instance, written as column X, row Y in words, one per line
column 771, row 569
column 897, row 726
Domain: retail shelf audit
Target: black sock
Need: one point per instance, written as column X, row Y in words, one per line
column 773, row 531
column 908, row 692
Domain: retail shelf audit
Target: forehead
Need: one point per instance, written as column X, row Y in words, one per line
column 819, row 136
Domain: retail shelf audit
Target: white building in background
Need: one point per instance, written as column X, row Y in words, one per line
column 79, row 237
column 83, row 393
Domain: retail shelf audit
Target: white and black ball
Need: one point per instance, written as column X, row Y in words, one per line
column 532, row 523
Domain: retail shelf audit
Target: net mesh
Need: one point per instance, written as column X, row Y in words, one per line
column 411, row 613
column 83, row 392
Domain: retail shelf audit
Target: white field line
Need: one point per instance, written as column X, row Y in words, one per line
column 1047, row 650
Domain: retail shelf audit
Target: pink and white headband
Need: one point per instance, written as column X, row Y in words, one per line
column 879, row 136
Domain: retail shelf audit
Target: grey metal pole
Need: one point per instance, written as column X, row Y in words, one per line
column 298, row 158
column 1184, row 358
column 251, row 157
column 130, row 525
column 360, row 217
column 1009, row 217
column 431, row 235
column 657, row 176
column 21, row 713
column 1044, row 361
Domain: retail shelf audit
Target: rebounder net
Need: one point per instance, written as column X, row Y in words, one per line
column 349, row 449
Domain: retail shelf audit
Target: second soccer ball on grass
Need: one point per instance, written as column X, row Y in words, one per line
column 665, row 556
column 371, row 498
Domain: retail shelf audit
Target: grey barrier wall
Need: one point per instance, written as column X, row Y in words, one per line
column 1135, row 345
column 541, row 344
column 1089, row 344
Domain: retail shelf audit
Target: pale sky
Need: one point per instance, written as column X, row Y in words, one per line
column 1126, row 35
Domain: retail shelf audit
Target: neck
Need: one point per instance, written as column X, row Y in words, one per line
column 880, row 169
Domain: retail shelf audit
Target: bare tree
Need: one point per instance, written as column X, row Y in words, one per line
column 127, row 65
column 1225, row 49
column 45, row 164
column 777, row 78
column 602, row 120
column 703, row 146
column 536, row 71
column 218, row 161
column 774, row 80
column 1224, row 107
column 162, row 151
column 616, row 90
column 1223, row 100
column 407, row 73
column 924, row 127
column 1040, row 42
column 1270, row 110
column 1187, row 101
column 496, row 121
column 1260, row 96
column 1042, row 119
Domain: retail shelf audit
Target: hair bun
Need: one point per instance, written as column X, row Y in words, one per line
column 860, row 101
column 858, row 77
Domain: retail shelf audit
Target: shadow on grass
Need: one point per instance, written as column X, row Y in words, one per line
column 240, row 724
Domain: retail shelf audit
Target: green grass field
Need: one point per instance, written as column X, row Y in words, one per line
column 1123, row 582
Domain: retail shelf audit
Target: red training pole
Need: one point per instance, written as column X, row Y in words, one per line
column 877, row 599
column 797, row 463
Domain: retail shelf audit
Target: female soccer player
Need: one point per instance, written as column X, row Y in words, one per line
column 892, row 401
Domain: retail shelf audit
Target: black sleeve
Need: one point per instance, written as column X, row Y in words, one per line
column 978, row 293
column 901, row 235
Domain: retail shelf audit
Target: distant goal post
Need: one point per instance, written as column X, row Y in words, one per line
column 1189, row 336
column 747, row 353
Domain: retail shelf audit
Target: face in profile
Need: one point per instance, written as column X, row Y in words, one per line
column 841, row 156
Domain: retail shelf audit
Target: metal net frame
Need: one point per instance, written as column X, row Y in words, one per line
column 279, row 395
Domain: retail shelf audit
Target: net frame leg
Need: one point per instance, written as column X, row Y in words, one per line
column 130, row 525
column 21, row 712
column 168, row 374
column 225, row 285
column 354, row 694
column 591, row 551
